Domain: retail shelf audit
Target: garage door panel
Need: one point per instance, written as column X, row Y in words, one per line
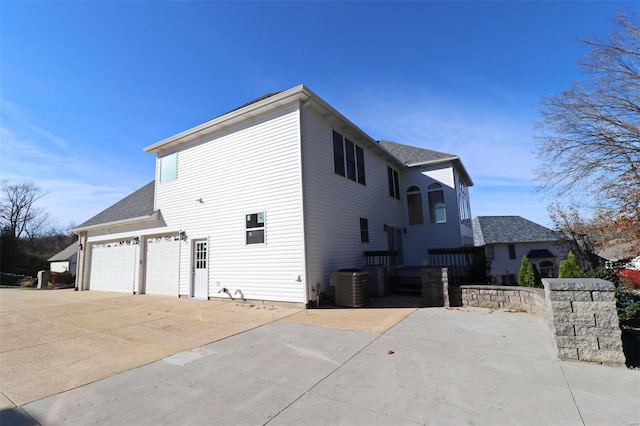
column 162, row 265
column 113, row 266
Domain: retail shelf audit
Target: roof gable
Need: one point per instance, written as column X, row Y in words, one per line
column 137, row 204
column 510, row 229
column 412, row 156
column 65, row 254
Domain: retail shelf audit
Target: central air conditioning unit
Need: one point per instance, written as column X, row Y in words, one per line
column 351, row 287
column 378, row 280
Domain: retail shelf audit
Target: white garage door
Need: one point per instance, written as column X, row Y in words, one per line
column 113, row 266
column 162, row 265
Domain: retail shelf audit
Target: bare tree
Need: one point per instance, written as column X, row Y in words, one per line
column 18, row 213
column 589, row 136
column 586, row 233
column 38, row 227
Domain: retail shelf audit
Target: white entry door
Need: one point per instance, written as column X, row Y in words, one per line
column 200, row 270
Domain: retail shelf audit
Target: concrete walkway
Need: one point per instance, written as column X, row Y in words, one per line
column 436, row 366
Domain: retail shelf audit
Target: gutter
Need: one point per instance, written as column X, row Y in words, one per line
column 454, row 159
column 297, row 93
column 140, row 219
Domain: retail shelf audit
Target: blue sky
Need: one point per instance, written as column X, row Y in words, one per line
column 84, row 86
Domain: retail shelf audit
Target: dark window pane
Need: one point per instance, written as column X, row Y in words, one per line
column 512, row 251
column 414, row 205
column 437, row 209
column 392, row 193
column 396, row 184
column 338, row 154
column 255, row 220
column 360, row 164
column 351, row 159
column 364, row 230
column 255, row 236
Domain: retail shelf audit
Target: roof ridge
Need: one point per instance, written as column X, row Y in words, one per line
column 417, row 147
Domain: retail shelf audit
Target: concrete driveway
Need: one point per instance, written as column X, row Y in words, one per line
column 332, row 366
column 53, row 341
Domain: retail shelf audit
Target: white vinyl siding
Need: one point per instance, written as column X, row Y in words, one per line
column 501, row 264
column 428, row 235
column 251, row 168
column 334, row 205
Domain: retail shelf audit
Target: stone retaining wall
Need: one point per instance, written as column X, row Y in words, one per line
column 583, row 320
column 435, row 287
column 498, row 297
column 582, row 314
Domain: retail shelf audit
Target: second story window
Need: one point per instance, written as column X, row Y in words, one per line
column 168, row 167
column 414, row 206
column 512, row 251
column 437, row 208
column 394, row 184
column 348, row 159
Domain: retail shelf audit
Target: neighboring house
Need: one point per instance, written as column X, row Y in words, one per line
column 265, row 201
column 66, row 260
column 619, row 252
column 506, row 239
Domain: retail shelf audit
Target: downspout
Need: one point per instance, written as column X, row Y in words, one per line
column 80, row 267
column 305, row 242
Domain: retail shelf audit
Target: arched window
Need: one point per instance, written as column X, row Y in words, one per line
column 437, row 208
column 414, row 206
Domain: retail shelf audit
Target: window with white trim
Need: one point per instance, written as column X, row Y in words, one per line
column 168, row 166
column 414, row 206
column 255, row 227
column 394, row 183
column 437, row 208
column 348, row 159
column 364, row 230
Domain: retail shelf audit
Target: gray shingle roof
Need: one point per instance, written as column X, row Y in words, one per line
column 510, row 229
column 540, row 254
column 139, row 203
column 65, row 254
column 413, row 155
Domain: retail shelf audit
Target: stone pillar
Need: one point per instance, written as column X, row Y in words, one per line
column 435, row 287
column 43, row 278
column 583, row 319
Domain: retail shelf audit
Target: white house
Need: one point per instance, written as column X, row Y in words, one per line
column 65, row 260
column 506, row 239
column 265, row 201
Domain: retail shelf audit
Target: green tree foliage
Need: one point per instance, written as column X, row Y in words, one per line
column 527, row 276
column 569, row 268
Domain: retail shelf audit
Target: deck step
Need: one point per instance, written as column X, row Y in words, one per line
column 408, row 285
